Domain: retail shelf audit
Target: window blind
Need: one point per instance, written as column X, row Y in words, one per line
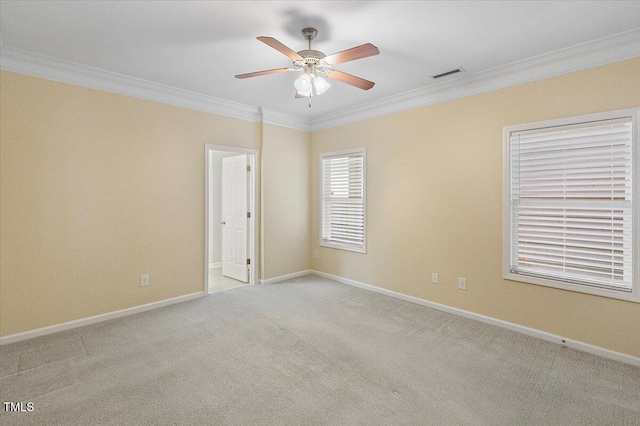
column 343, row 199
column 571, row 203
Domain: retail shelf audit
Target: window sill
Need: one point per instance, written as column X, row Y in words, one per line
column 345, row 247
column 633, row 296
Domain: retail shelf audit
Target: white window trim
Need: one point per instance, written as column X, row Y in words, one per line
column 335, row 245
column 634, row 295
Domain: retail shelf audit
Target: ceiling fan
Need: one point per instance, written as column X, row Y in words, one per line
column 315, row 64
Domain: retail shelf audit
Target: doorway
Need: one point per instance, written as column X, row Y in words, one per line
column 230, row 200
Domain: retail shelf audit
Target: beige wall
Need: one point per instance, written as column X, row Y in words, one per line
column 285, row 164
column 97, row 189
column 434, row 204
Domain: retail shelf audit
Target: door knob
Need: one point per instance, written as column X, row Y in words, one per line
column 223, row 223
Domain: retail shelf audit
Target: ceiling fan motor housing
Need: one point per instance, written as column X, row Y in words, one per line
column 311, row 56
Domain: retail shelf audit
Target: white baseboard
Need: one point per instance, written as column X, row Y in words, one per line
column 215, row 265
column 581, row 346
column 12, row 338
column 285, row 277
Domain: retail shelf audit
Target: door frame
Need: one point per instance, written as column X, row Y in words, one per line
column 251, row 187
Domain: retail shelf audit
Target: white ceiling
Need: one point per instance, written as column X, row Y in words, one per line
column 200, row 46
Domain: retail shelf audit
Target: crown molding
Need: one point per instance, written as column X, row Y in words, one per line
column 23, row 62
column 297, row 122
column 28, row 63
column 586, row 55
column 582, row 56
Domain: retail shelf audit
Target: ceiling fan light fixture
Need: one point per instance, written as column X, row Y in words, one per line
column 308, row 85
column 303, row 83
column 321, row 85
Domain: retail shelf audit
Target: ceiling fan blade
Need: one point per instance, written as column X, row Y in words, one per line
column 265, row 72
column 358, row 52
column 358, row 82
column 270, row 41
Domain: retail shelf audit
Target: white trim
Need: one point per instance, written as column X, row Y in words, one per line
column 634, row 295
column 23, row 62
column 336, row 245
column 297, row 122
column 342, row 246
column 262, row 227
column 549, row 337
column 215, row 265
column 18, row 337
column 285, row 277
column 617, row 47
column 252, row 251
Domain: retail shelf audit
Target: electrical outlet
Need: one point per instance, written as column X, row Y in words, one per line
column 315, row 254
column 462, row 283
column 144, row 280
column 434, row 278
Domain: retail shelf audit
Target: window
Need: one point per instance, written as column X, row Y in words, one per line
column 571, row 203
column 343, row 200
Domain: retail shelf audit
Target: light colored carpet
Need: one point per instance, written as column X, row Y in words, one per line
column 309, row 351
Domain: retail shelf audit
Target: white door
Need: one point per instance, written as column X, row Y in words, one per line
column 234, row 217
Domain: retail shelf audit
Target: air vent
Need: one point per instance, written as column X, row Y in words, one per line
column 444, row 74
